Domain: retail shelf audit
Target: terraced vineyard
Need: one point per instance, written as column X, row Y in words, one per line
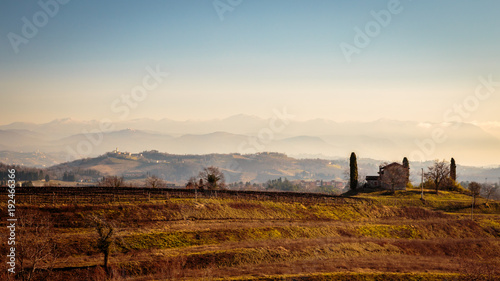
column 165, row 234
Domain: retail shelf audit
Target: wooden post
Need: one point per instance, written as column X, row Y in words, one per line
column 422, row 185
column 472, row 209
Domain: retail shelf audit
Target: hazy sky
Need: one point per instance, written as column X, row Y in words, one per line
column 258, row 56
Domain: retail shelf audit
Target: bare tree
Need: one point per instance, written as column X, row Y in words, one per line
column 105, row 239
column 362, row 178
column 396, row 175
column 438, row 173
column 192, row 183
column 488, row 190
column 213, row 178
column 155, row 182
column 36, row 246
column 112, row 182
column 475, row 189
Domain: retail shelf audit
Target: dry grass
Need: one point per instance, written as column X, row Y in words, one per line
column 234, row 238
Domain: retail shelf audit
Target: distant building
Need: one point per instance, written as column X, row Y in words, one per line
column 392, row 174
column 319, row 183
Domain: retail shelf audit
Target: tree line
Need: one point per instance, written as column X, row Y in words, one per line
column 22, row 173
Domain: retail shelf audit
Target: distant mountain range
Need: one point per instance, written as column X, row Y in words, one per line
column 67, row 139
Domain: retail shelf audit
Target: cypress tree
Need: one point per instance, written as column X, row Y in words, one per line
column 453, row 170
column 353, row 171
column 406, row 165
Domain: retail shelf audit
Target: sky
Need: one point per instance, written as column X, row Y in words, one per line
column 187, row 59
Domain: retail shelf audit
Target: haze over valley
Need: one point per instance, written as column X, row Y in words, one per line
column 386, row 140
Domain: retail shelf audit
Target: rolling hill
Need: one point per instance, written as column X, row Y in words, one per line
column 179, row 168
column 258, row 168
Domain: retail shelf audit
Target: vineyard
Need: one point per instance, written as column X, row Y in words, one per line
column 100, row 195
column 183, row 234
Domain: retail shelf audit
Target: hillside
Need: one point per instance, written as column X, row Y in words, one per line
column 179, row 168
column 180, row 235
column 257, row 168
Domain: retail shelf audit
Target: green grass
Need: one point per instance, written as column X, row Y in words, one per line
column 447, row 201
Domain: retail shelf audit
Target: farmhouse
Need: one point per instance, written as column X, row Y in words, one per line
column 373, row 181
column 392, row 176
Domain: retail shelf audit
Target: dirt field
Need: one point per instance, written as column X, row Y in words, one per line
column 177, row 235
